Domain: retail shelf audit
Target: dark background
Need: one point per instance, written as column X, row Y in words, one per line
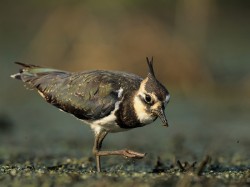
column 201, row 51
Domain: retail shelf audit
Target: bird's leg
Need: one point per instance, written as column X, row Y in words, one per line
column 97, row 147
column 97, row 150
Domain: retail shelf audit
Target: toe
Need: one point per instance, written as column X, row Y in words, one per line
column 133, row 154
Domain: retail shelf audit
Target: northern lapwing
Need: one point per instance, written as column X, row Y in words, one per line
column 108, row 101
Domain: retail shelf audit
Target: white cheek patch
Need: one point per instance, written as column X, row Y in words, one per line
column 141, row 113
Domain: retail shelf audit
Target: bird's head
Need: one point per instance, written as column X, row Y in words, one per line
column 151, row 98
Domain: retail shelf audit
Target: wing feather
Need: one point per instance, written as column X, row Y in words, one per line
column 87, row 95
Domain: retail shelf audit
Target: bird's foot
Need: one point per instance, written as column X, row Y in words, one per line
column 125, row 153
column 132, row 154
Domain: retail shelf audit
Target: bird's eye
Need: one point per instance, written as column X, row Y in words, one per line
column 148, row 99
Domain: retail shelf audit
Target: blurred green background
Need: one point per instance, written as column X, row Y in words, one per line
column 201, row 51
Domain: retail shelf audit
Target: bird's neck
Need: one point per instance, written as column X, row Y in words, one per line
column 131, row 114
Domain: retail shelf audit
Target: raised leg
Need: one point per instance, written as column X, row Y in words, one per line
column 97, row 150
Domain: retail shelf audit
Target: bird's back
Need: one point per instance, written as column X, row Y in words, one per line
column 88, row 95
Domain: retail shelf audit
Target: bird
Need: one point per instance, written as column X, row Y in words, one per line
column 107, row 101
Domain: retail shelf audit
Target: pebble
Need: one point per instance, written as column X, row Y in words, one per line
column 13, row 172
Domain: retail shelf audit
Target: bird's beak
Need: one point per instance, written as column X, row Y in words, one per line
column 161, row 114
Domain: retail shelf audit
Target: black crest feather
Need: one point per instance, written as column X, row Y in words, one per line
column 150, row 66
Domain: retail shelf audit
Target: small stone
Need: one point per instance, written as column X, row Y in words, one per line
column 227, row 175
column 40, row 171
column 13, row 172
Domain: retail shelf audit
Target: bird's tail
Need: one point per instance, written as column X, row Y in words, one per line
column 35, row 75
